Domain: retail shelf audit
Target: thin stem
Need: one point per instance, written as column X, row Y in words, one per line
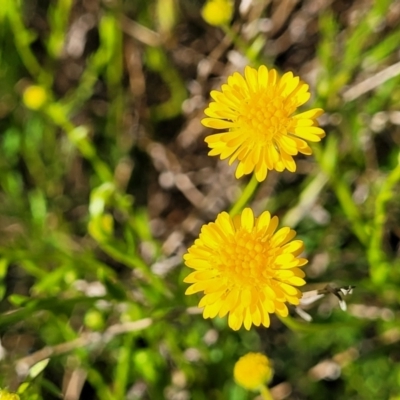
column 236, row 40
column 22, row 39
column 328, row 161
column 247, row 193
column 78, row 136
column 350, row 208
column 376, row 255
column 135, row 262
column 265, row 393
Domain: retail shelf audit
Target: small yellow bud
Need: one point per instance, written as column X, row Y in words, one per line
column 252, row 371
column 5, row 395
column 34, row 98
column 217, row 12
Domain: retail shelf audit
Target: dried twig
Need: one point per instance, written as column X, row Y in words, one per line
column 372, row 82
column 92, row 339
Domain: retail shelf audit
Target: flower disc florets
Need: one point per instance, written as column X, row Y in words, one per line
column 245, row 268
column 256, row 113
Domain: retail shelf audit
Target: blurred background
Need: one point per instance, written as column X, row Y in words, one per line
column 105, row 181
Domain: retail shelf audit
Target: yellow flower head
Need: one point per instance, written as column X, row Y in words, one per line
column 245, row 268
column 6, row 395
column 34, row 97
column 217, row 12
column 252, row 371
column 260, row 130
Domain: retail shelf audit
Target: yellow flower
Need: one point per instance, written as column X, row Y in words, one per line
column 252, row 371
column 256, row 114
column 34, row 97
column 217, row 12
column 6, row 395
column 245, row 268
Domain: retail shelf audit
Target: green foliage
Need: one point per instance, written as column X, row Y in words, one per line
column 100, row 188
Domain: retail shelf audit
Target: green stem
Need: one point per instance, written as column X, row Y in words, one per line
column 328, row 160
column 135, row 263
column 376, row 256
column 77, row 136
column 22, row 39
column 349, row 207
column 265, row 393
column 247, row 193
column 236, row 40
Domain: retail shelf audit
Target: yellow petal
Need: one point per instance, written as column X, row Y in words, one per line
column 310, row 114
column 263, row 77
column 296, row 281
column 251, row 78
column 281, row 309
column 217, row 123
column 235, row 320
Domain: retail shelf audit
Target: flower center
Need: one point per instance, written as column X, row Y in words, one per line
column 246, row 259
column 266, row 115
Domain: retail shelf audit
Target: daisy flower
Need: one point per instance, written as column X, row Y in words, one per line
column 260, row 128
column 246, row 268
